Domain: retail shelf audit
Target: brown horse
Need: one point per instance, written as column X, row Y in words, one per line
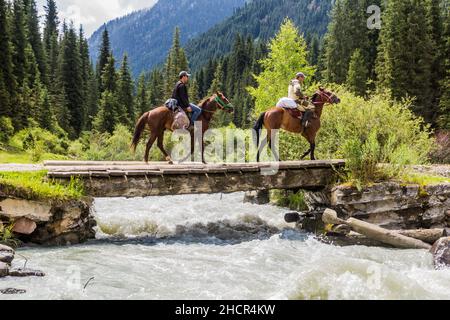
column 161, row 119
column 279, row 118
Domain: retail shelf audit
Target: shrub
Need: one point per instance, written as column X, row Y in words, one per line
column 366, row 133
column 46, row 141
column 6, row 130
column 441, row 154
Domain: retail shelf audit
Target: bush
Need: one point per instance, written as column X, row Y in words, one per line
column 116, row 147
column 366, row 133
column 46, row 141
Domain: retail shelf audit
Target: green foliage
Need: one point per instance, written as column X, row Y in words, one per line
column 288, row 199
column 357, row 74
column 112, row 147
column 366, row 133
column 35, row 186
column 38, row 141
column 7, row 236
column 287, row 56
column 6, row 130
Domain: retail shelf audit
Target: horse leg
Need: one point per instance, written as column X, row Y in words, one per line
column 261, row 148
column 313, row 150
column 306, row 154
column 161, row 147
column 150, row 143
column 270, row 141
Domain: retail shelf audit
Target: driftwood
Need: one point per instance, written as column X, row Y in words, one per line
column 375, row 232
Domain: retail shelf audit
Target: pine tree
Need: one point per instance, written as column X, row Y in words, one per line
column 7, row 80
column 85, row 70
column 142, row 101
column 314, row 50
column 109, row 110
column 105, row 53
column 69, row 78
column 155, row 90
column 34, row 36
column 92, row 97
column 125, row 94
column 175, row 63
column 44, row 115
column 404, row 61
column 444, row 107
column 19, row 41
column 357, row 74
column 348, row 31
column 51, row 49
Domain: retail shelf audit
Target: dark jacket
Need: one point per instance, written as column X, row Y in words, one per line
column 180, row 93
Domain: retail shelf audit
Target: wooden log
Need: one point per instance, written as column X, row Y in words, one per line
column 426, row 235
column 375, row 232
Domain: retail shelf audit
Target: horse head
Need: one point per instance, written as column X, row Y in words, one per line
column 324, row 96
column 223, row 103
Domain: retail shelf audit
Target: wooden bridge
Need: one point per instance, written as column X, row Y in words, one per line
column 137, row 179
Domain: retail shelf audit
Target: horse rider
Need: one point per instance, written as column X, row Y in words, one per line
column 180, row 93
column 296, row 94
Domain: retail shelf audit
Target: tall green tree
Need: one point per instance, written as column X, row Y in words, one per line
column 287, row 55
column 19, row 42
column 142, row 101
column 175, row 63
column 105, row 53
column 7, row 80
column 70, row 79
column 50, row 41
column 357, row 74
column 444, row 107
column 34, row 36
column 404, row 60
column 125, row 94
column 155, row 90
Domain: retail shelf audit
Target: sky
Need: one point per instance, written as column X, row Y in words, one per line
column 93, row 13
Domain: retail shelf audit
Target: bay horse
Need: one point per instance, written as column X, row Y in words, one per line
column 279, row 118
column 161, row 119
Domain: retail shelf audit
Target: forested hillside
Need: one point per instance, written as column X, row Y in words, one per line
column 146, row 35
column 259, row 19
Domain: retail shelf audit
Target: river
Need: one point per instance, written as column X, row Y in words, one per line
column 217, row 247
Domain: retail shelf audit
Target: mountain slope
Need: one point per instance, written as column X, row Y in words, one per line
column 146, row 35
column 261, row 19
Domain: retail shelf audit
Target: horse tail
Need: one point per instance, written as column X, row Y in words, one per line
column 258, row 126
column 140, row 127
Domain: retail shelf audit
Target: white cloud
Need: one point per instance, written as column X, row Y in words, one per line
column 93, row 13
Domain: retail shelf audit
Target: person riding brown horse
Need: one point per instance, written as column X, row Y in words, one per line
column 161, row 119
column 279, row 118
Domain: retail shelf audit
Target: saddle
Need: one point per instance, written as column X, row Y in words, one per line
column 291, row 107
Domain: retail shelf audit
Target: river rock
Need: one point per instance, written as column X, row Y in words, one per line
column 441, row 252
column 3, row 269
column 24, row 226
column 6, row 254
column 12, row 291
column 19, row 272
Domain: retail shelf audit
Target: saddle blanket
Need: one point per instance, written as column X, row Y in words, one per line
column 287, row 103
column 180, row 121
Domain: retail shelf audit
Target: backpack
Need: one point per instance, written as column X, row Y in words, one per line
column 172, row 104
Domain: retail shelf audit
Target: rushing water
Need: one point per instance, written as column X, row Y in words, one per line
column 216, row 247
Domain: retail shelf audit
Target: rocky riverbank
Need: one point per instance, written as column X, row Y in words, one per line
column 49, row 222
column 7, row 255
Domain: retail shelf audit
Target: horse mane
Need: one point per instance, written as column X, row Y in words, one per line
column 203, row 103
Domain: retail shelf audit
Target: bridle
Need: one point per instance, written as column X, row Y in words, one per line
column 222, row 105
column 325, row 96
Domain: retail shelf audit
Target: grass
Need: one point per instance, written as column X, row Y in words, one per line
column 291, row 200
column 423, row 179
column 26, row 158
column 36, row 186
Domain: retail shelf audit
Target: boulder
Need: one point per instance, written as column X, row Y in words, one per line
column 4, row 268
column 441, row 253
column 6, row 254
column 24, row 226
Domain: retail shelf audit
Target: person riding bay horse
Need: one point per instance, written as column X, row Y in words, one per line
column 280, row 118
column 161, row 119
